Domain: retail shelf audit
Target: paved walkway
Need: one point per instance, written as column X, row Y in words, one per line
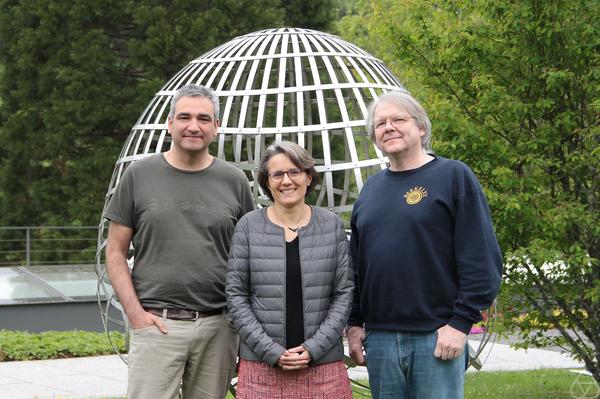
column 106, row 376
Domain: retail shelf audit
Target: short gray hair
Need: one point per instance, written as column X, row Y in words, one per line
column 192, row 90
column 299, row 157
column 407, row 103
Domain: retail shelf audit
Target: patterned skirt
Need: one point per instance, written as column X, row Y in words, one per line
column 257, row 380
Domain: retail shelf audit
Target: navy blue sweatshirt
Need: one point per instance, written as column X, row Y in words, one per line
column 423, row 250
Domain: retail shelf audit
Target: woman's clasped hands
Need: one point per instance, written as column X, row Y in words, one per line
column 294, row 358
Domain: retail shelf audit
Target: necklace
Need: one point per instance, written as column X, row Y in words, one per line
column 294, row 229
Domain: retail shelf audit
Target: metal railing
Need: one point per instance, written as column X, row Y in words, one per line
column 47, row 245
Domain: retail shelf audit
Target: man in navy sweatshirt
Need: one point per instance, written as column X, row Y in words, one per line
column 425, row 256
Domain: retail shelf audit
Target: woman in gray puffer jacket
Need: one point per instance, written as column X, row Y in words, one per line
column 289, row 287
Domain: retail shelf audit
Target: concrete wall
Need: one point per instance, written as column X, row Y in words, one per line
column 54, row 317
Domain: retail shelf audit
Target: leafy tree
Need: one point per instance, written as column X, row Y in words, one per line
column 311, row 14
column 76, row 75
column 513, row 90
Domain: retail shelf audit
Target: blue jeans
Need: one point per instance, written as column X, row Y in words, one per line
column 402, row 365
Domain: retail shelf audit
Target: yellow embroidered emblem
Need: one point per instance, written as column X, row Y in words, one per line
column 415, row 195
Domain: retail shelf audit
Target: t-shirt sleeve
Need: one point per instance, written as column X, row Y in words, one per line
column 247, row 201
column 121, row 207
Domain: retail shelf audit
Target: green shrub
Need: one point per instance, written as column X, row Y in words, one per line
column 19, row 345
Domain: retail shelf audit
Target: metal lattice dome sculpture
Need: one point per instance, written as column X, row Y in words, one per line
column 299, row 85
column 289, row 84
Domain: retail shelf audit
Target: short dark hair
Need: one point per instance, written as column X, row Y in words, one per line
column 192, row 90
column 299, row 157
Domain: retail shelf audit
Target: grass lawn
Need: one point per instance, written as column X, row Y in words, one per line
column 538, row 384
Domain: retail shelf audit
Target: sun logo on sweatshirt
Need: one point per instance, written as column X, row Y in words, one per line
column 415, row 195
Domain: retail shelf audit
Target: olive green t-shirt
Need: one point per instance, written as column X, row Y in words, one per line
column 182, row 225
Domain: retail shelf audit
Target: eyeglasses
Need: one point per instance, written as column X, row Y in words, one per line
column 293, row 174
column 394, row 121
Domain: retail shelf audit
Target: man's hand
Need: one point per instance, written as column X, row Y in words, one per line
column 294, row 359
column 145, row 319
column 356, row 337
column 450, row 343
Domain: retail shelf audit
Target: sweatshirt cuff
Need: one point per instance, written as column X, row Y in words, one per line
column 461, row 324
column 355, row 320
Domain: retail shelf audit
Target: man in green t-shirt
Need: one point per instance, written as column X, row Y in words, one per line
column 179, row 210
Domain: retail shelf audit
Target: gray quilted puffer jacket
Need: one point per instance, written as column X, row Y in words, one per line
column 256, row 286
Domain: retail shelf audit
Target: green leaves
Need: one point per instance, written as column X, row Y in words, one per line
column 76, row 75
column 17, row 345
column 512, row 89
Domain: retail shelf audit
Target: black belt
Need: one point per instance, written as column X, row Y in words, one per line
column 183, row 314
